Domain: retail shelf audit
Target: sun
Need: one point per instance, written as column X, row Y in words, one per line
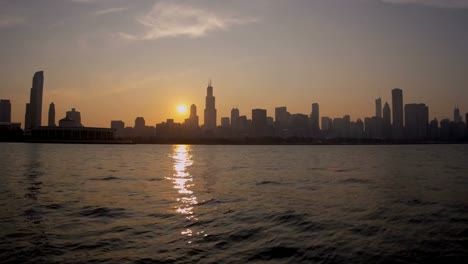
column 182, row 109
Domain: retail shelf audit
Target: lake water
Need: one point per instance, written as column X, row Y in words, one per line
column 233, row 204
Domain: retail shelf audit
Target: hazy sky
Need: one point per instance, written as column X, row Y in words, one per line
column 119, row 59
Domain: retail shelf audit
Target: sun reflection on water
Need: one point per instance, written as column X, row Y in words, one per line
column 183, row 183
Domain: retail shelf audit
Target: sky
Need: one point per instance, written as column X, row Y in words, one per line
column 119, row 59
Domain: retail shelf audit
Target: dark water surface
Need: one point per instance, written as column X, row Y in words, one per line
column 233, row 204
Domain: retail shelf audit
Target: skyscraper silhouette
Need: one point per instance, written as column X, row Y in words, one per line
column 314, row 119
column 457, row 118
column 387, row 121
column 416, row 121
column 5, row 111
column 34, row 111
column 51, row 122
column 210, row 109
column 378, row 108
column 282, row 117
column 235, row 118
column 397, row 108
column 192, row 121
column 259, row 122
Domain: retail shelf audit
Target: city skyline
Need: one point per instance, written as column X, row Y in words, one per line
column 104, row 56
column 396, row 119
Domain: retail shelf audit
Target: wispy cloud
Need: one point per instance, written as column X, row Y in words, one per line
column 10, row 21
column 85, row 1
column 434, row 3
column 110, row 11
column 167, row 19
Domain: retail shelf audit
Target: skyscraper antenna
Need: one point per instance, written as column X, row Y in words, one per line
column 209, row 82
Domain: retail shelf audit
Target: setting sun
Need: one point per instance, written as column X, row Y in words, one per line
column 182, row 109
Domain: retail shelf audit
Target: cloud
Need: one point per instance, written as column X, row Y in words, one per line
column 434, row 3
column 168, row 19
column 110, row 11
column 85, row 1
column 10, row 21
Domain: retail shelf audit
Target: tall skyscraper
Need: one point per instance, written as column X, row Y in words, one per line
column 5, row 111
column 397, row 108
column 210, row 109
column 457, row 118
column 235, row 118
column 378, row 108
column 193, row 115
column 387, row 122
column 314, row 119
column 416, row 121
column 51, row 122
column 34, row 111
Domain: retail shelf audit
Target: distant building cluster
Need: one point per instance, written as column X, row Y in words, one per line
column 398, row 122
column 69, row 127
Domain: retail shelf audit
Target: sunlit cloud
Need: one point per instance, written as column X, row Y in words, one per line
column 10, row 21
column 168, row 19
column 110, row 11
column 434, row 3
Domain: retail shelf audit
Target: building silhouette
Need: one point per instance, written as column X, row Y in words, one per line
column 119, row 128
column 357, row 129
column 387, row 122
column 117, row 124
column 139, row 123
column 259, row 122
column 34, row 108
column 326, row 125
column 466, row 125
column 192, row 121
column 282, row 117
column 75, row 116
column 5, row 111
column 433, row 129
column 314, row 119
column 235, row 119
column 210, row 109
column 444, row 131
column 225, row 122
column 457, row 118
column 71, row 119
column 27, row 117
column 397, row 107
column 374, row 127
column 299, row 125
column 51, row 121
column 416, row 121
column 378, row 108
